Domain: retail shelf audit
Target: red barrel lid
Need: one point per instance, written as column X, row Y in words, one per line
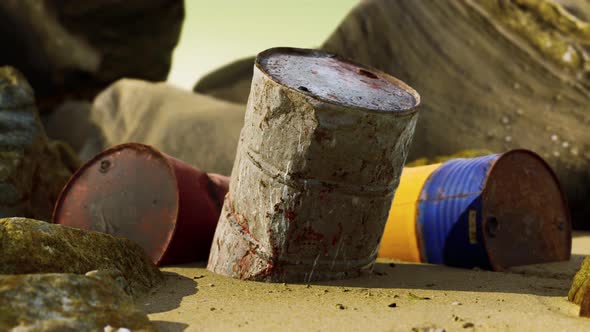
column 129, row 191
column 526, row 219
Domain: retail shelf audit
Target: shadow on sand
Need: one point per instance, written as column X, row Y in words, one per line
column 165, row 297
column 552, row 279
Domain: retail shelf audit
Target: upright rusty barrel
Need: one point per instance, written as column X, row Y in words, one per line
column 134, row 191
column 319, row 159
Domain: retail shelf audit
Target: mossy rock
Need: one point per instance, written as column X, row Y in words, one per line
column 33, row 169
column 67, row 302
column 492, row 74
column 31, row 246
column 579, row 291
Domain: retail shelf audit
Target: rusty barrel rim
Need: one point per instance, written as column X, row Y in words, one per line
column 561, row 250
column 364, row 69
column 452, row 226
column 168, row 235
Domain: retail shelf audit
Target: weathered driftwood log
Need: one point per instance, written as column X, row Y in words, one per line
column 197, row 129
column 319, row 158
column 31, row 246
column 67, row 302
column 70, row 48
column 493, row 74
column 32, row 169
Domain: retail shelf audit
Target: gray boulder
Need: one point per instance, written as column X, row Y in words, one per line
column 74, row 49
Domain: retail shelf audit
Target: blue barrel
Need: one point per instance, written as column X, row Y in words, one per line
column 493, row 212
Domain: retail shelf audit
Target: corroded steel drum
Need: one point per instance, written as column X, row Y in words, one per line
column 319, row 158
column 492, row 212
column 134, row 191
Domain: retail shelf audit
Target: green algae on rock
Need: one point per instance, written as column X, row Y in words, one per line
column 32, row 173
column 580, row 283
column 31, row 246
column 67, row 302
column 579, row 291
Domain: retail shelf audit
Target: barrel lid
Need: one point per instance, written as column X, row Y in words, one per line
column 128, row 191
column 526, row 219
column 336, row 80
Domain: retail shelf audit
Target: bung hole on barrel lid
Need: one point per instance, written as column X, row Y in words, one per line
column 332, row 79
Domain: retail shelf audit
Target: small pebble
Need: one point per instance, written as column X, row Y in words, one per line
column 212, row 309
column 340, row 306
column 211, row 285
column 468, row 325
column 392, row 305
column 456, row 303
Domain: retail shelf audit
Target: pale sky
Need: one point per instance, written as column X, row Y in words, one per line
column 216, row 32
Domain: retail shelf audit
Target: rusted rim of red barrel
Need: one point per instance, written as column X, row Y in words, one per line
column 169, row 233
column 367, row 71
column 499, row 263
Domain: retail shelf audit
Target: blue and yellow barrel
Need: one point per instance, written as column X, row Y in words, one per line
column 491, row 212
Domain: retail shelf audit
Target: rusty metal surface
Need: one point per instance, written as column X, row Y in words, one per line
column 329, row 78
column 525, row 215
column 168, row 207
column 314, row 175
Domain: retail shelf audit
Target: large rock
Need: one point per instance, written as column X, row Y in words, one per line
column 31, row 246
column 33, row 169
column 67, row 302
column 197, row 129
column 70, row 48
column 231, row 82
column 493, row 75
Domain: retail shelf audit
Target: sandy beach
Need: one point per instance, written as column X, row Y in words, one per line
column 396, row 296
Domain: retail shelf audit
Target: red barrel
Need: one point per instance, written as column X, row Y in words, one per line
column 134, row 191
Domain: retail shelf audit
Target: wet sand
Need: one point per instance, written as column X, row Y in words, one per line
column 531, row 298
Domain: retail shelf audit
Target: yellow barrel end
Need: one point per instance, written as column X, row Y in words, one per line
column 400, row 240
